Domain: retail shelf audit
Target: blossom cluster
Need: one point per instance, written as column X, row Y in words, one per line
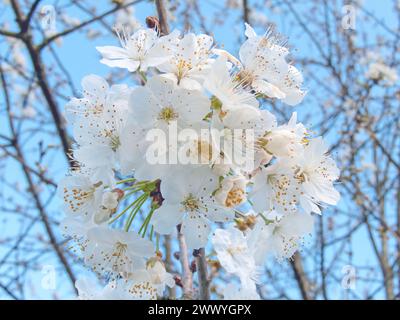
column 187, row 84
column 378, row 71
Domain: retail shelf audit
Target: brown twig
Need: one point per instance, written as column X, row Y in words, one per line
column 187, row 279
column 202, row 273
column 162, row 17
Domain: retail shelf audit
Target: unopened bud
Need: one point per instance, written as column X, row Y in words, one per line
column 196, row 253
column 214, row 264
column 153, row 23
column 155, row 194
column 152, row 261
column 241, row 224
column 119, row 192
column 193, row 266
column 250, row 220
column 178, row 281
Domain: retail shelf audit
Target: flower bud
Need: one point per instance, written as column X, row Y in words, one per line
column 280, row 143
column 152, row 22
column 232, row 191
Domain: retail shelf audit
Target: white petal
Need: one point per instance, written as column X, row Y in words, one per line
column 166, row 218
column 190, row 84
column 95, row 87
column 111, row 52
column 196, row 230
column 249, row 33
column 129, row 64
column 268, row 89
column 95, row 156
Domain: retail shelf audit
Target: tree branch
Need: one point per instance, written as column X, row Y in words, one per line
column 187, row 280
column 202, row 273
column 300, row 276
column 162, row 17
column 85, row 23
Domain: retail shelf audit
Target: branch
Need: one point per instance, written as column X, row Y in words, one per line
column 162, row 17
column 27, row 21
column 8, row 291
column 32, row 187
column 45, row 88
column 10, row 34
column 300, row 276
column 37, row 173
column 83, row 24
column 187, row 281
column 17, row 12
column 246, row 11
column 168, row 264
column 202, row 272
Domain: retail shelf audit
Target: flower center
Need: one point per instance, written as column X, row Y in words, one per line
column 120, row 249
column 191, row 203
column 300, row 175
column 183, row 66
column 245, row 78
column 77, row 197
column 167, row 114
column 98, row 109
column 235, row 197
column 235, row 250
column 144, row 290
column 115, row 142
column 262, row 142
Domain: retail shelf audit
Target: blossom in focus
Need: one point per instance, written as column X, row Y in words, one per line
column 191, row 204
column 190, row 60
column 188, row 147
column 140, row 50
column 264, row 68
column 80, row 196
column 281, row 236
column 235, row 256
column 115, row 251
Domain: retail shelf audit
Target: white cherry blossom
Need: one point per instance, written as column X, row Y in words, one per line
column 115, row 251
column 190, row 61
column 160, row 278
column 238, row 105
column 283, row 141
column 192, row 146
column 80, row 196
column 191, row 204
column 235, row 256
column 315, row 173
column 158, row 106
column 232, row 191
column 141, row 50
column 281, row 236
column 264, row 68
column 98, row 97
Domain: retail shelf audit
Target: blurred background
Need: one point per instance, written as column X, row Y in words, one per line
column 348, row 52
